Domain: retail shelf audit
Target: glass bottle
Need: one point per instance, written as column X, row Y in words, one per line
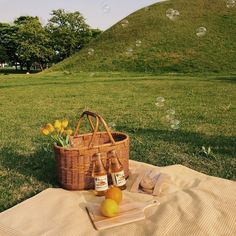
column 100, row 176
column 117, row 171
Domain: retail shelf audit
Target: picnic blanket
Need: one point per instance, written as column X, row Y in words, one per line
column 192, row 204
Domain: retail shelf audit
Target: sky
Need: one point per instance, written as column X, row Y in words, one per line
column 98, row 13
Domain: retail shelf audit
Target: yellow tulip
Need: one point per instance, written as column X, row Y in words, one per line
column 57, row 125
column 69, row 132
column 62, row 130
column 50, row 127
column 64, row 123
column 44, row 131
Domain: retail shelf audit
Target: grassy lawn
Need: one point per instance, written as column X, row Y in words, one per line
column 205, row 106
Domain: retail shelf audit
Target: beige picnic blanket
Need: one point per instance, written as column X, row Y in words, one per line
column 192, row 204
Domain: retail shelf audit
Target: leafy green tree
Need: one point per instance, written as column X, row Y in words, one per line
column 3, row 55
column 27, row 42
column 69, row 32
column 22, row 20
column 8, row 41
column 33, row 42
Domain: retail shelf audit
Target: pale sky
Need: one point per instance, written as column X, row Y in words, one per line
column 98, row 13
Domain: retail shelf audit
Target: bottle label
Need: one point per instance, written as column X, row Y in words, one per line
column 101, row 183
column 118, row 178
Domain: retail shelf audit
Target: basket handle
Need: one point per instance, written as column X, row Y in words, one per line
column 98, row 118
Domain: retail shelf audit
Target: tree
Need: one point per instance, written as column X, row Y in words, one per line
column 8, row 41
column 27, row 42
column 33, row 42
column 3, row 55
column 68, row 32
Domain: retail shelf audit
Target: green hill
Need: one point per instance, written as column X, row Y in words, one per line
column 163, row 44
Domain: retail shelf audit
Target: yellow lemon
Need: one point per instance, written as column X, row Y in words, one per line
column 57, row 125
column 50, row 127
column 109, row 208
column 44, row 131
column 114, row 193
column 64, row 123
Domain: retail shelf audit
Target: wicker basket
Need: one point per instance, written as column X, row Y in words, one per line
column 74, row 165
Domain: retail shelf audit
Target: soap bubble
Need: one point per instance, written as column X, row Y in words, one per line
column 138, row 43
column 230, row 3
column 90, row 51
column 112, row 125
column 160, row 99
column 170, row 117
column 170, row 111
column 172, row 14
column 175, row 124
column 160, row 102
column 201, row 31
column 124, row 23
column 106, row 8
column 129, row 52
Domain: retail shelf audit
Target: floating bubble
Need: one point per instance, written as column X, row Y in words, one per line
column 170, row 111
column 175, row 124
column 112, row 125
column 160, row 102
column 138, row 43
column 230, row 3
column 201, row 31
column 124, row 23
column 160, row 99
column 172, row 14
column 90, row 51
column 106, row 8
column 170, row 117
column 129, row 51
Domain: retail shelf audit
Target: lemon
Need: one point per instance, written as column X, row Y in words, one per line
column 114, row 193
column 109, row 208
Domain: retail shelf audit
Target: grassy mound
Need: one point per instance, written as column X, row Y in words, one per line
column 166, row 45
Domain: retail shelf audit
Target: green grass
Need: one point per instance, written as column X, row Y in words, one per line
column 167, row 46
column 29, row 101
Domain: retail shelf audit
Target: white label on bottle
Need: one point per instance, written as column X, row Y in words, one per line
column 118, row 178
column 101, row 183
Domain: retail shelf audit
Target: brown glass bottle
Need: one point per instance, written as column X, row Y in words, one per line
column 100, row 176
column 117, row 171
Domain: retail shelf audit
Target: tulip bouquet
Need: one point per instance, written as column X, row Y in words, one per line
column 58, row 132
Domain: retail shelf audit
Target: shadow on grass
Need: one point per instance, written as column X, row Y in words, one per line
column 13, row 71
column 230, row 79
column 39, row 165
column 222, row 144
column 167, row 147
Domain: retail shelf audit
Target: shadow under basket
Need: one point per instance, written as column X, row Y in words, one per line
column 74, row 165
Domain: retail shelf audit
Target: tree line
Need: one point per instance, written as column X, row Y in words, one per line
column 27, row 42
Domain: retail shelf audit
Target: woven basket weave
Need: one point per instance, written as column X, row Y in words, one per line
column 74, row 165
